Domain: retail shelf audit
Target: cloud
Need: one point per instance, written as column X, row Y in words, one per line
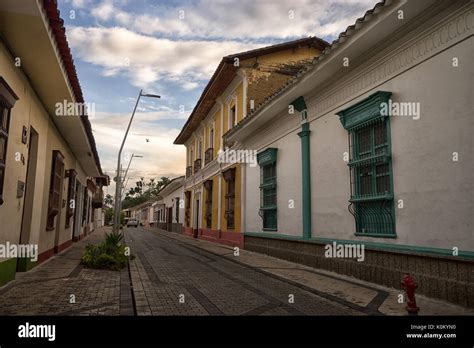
column 243, row 19
column 145, row 60
column 109, row 130
column 104, row 11
column 167, row 44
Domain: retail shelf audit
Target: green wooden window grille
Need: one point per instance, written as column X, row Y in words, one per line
column 268, row 189
column 372, row 200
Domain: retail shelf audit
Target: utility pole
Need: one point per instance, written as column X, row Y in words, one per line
column 118, row 178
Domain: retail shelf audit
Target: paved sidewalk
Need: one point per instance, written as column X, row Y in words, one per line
column 328, row 284
column 47, row 288
column 173, row 274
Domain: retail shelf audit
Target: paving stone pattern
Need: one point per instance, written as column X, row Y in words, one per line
column 164, row 270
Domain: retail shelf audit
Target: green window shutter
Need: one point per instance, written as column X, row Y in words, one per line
column 372, row 199
column 268, row 190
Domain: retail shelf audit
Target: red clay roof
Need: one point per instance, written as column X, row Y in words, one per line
column 59, row 32
column 226, row 72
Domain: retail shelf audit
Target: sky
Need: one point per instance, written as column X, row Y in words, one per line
column 171, row 48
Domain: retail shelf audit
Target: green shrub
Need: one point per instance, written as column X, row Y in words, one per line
column 110, row 254
column 113, row 238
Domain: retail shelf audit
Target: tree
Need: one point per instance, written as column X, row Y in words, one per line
column 143, row 191
column 108, row 200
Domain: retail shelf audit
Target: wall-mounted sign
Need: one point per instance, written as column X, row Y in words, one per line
column 24, row 135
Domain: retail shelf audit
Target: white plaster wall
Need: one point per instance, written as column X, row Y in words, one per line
column 330, row 189
column 169, row 201
column 288, row 188
column 438, row 194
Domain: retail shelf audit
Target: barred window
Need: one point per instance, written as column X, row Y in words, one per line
column 54, row 202
column 4, row 126
column 372, row 197
column 71, row 196
column 7, row 101
column 268, row 188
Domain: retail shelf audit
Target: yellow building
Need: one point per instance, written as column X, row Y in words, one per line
column 50, row 175
column 215, row 171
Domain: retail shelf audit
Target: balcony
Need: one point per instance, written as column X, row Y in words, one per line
column 208, row 155
column 189, row 171
column 197, row 165
column 98, row 199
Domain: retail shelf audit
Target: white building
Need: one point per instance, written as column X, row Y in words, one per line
column 340, row 169
column 168, row 211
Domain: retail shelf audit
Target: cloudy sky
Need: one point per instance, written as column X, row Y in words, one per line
column 171, row 48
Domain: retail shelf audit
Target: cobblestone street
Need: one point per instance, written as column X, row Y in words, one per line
column 173, row 274
column 173, row 278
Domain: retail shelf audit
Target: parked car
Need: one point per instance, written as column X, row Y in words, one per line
column 132, row 222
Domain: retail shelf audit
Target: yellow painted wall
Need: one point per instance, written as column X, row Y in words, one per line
column 240, row 102
column 28, row 111
column 217, row 132
column 225, row 127
column 269, row 61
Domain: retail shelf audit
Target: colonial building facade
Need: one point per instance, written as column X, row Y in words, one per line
column 168, row 210
column 372, row 145
column 214, row 184
column 50, row 174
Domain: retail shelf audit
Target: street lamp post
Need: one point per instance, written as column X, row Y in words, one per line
column 129, row 162
column 118, row 180
column 125, row 177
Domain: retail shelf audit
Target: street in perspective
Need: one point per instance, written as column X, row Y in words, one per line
column 237, row 159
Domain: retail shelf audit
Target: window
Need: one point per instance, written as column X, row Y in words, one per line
column 232, row 117
column 7, row 101
column 372, row 202
column 55, row 189
column 229, row 177
column 268, row 189
column 71, row 195
column 211, row 138
column 209, row 154
column 84, row 206
column 208, row 187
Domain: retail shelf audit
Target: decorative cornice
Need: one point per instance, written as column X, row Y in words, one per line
column 363, row 111
column 430, row 42
column 267, row 156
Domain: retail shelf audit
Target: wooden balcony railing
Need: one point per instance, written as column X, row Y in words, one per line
column 208, row 155
column 197, row 165
column 189, row 171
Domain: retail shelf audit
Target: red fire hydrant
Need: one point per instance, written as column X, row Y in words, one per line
column 409, row 285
